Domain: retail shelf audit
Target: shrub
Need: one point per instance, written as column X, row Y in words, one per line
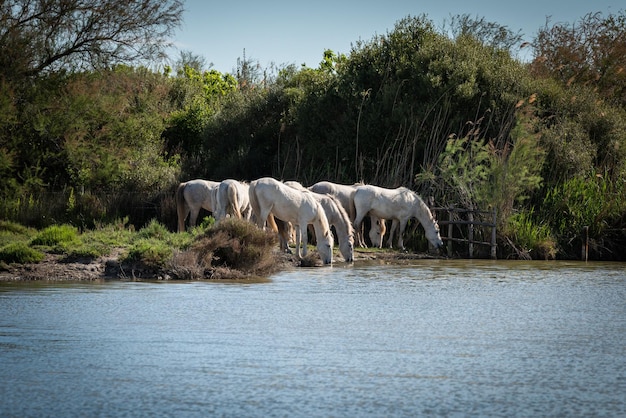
column 237, row 244
column 151, row 252
column 154, row 229
column 11, row 232
column 13, row 228
column 56, row 235
column 532, row 240
column 20, row 253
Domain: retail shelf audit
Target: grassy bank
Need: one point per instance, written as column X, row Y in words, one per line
column 233, row 249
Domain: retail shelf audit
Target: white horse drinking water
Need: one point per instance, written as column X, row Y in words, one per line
column 344, row 193
column 192, row 196
column 337, row 218
column 400, row 205
column 270, row 196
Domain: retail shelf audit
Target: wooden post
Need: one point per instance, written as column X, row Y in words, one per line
column 585, row 247
column 470, row 232
column 493, row 236
column 450, row 230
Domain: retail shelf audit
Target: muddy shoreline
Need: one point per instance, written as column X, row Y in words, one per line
column 57, row 267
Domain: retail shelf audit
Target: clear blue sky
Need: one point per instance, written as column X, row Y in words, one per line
column 294, row 32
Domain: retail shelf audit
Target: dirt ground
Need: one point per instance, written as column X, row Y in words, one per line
column 58, row 268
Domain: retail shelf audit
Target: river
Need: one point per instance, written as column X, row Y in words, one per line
column 429, row 338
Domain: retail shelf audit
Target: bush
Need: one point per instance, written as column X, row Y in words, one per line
column 55, row 235
column 11, row 232
column 532, row 240
column 20, row 253
column 13, row 228
column 151, row 252
column 233, row 248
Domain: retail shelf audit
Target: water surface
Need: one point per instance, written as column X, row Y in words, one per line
column 436, row 337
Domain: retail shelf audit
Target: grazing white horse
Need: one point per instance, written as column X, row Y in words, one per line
column 344, row 193
column 233, row 199
column 193, row 195
column 270, row 196
column 337, row 218
column 400, row 205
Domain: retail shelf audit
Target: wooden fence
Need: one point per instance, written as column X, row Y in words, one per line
column 467, row 221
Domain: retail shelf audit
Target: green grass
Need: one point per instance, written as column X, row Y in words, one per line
column 232, row 249
column 55, row 235
column 21, row 253
column 533, row 239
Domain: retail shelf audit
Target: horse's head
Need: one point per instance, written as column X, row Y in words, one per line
column 346, row 248
column 432, row 234
column 325, row 247
column 377, row 231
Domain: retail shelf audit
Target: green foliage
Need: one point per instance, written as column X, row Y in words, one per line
column 466, row 168
column 56, row 235
column 20, row 253
column 154, row 245
column 594, row 201
column 154, row 229
column 516, row 170
column 14, row 228
column 476, row 174
column 151, row 252
column 12, row 233
column 100, row 240
column 532, row 239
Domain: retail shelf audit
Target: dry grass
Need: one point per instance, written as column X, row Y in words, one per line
column 233, row 249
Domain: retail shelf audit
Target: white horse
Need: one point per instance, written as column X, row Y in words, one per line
column 233, row 199
column 344, row 193
column 270, row 196
column 400, row 205
column 193, row 195
column 337, row 218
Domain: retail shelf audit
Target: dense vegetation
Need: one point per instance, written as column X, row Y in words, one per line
column 91, row 138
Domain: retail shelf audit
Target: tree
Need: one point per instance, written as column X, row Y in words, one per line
column 39, row 36
column 589, row 52
column 488, row 33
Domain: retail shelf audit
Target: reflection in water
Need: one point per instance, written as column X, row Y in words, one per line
column 428, row 338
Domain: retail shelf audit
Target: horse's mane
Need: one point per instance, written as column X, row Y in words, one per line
column 343, row 213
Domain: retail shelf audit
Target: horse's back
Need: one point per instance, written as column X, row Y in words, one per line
column 287, row 203
column 342, row 192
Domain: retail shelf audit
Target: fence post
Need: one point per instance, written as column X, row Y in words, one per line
column 450, row 232
column 470, row 232
column 493, row 236
column 585, row 247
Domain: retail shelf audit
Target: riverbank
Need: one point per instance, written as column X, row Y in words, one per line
column 56, row 267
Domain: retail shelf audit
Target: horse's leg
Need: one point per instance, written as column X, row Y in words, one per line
column 263, row 214
column 401, row 233
column 358, row 220
column 283, row 234
column 360, row 237
column 193, row 216
column 393, row 230
column 182, row 215
column 303, row 240
column 298, row 241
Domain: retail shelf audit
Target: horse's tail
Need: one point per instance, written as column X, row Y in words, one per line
column 254, row 204
column 180, row 206
column 284, row 229
column 271, row 221
column 233, row 199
